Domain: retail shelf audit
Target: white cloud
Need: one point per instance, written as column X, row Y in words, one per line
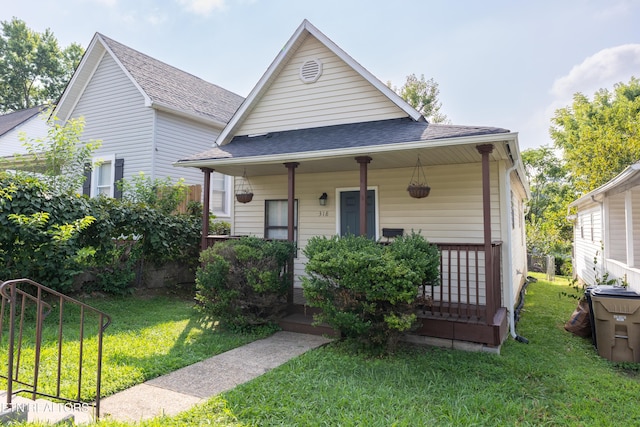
column 108, row 3
column 602, row 70
column 202, row 7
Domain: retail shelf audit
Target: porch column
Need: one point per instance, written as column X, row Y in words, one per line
column 485, row 150
column 364, row 161
column 205, row 207
column 291, row 166
column 628, row 216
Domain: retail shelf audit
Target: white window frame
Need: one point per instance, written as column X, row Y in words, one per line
column 267, row 226
column 227, row 185
column 96, row 162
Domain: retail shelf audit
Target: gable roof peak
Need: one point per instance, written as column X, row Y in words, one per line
column 304, row 29
column 163, row 86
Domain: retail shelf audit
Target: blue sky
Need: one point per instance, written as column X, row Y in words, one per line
column 498, row 63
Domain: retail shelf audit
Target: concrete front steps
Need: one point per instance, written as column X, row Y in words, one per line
column 44, row 411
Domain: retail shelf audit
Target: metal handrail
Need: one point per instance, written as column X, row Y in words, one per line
column 35, row 293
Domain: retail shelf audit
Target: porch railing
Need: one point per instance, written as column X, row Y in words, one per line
column 24, row 308
column 463, row 291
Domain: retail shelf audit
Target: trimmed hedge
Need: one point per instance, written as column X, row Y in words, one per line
column 242, row 283
column 368, row 291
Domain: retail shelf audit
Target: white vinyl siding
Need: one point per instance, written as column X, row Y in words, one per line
column 341, row 95
column 114, row 112
column 635, row 194
column 586, row 249
column 451, row 214
column 617, row 239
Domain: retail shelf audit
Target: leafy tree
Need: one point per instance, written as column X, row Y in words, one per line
column 599, row 138
column 159, row 193
column 61, row 157
column 33, row 68
column 548, row 231
column 422, row 95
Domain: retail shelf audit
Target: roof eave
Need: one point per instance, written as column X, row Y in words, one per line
column 181, row 113
column 628, row 173
column 344, row 152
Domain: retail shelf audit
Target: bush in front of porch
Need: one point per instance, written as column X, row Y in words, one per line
column 368, row 291
column 244, row 282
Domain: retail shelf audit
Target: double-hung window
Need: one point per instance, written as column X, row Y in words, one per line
column 102, row 177
column 220, row 194
column 276, row 219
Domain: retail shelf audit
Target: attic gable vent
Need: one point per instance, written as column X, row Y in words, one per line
column 311, row 70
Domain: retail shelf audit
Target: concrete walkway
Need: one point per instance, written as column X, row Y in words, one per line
column 180, row 390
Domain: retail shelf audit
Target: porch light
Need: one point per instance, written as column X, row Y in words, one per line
column 323, row 199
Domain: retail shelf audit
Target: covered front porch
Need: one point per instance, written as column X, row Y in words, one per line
column 458, row 216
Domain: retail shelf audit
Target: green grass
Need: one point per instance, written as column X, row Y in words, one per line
column 557, row 379
column 148, row 337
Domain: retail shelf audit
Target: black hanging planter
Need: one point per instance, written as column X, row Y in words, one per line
column 245, row 192
column 418, row 187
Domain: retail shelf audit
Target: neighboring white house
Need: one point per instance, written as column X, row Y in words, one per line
column 147, row 114
column 607, row 230
column 32, row 122
column 318, row 125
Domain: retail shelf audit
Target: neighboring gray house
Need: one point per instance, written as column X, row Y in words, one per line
column 30, row 121
column 147, row 114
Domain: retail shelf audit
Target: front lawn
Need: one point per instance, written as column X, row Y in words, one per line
column 556, row 379
column 149, row 337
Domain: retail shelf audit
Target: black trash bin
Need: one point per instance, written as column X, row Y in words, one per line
column 615, row 313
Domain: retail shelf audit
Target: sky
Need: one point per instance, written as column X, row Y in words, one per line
column 503, row 63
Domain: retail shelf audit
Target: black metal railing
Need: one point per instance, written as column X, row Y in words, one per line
column 26, row 313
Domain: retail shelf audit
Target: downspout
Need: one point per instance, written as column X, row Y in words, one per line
column 509, row 245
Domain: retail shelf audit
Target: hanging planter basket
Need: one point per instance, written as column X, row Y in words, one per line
column 244, row 197
column 418, row 187
column 245, row 192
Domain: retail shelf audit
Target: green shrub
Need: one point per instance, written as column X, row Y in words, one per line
column 368, row 291
column 39, row 231
column 242, row 282
column 50, row 236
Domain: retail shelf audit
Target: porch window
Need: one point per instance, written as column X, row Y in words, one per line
column 276, row 219
column 220, row 194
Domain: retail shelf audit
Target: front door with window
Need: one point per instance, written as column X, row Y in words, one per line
column 350, row 213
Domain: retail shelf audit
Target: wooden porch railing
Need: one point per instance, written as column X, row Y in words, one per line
column 462, row 292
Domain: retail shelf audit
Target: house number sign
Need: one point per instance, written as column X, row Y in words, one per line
column 323, row 213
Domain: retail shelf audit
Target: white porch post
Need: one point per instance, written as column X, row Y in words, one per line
column 628, row 218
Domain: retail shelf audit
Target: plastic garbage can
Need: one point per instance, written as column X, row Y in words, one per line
column 616, row 314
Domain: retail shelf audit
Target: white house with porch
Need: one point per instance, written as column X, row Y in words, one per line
column 606, row 230
column 326, row 148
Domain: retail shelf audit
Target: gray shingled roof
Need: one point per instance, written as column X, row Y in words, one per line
column 11, row 120
column 175, row 88
column 383, row 132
